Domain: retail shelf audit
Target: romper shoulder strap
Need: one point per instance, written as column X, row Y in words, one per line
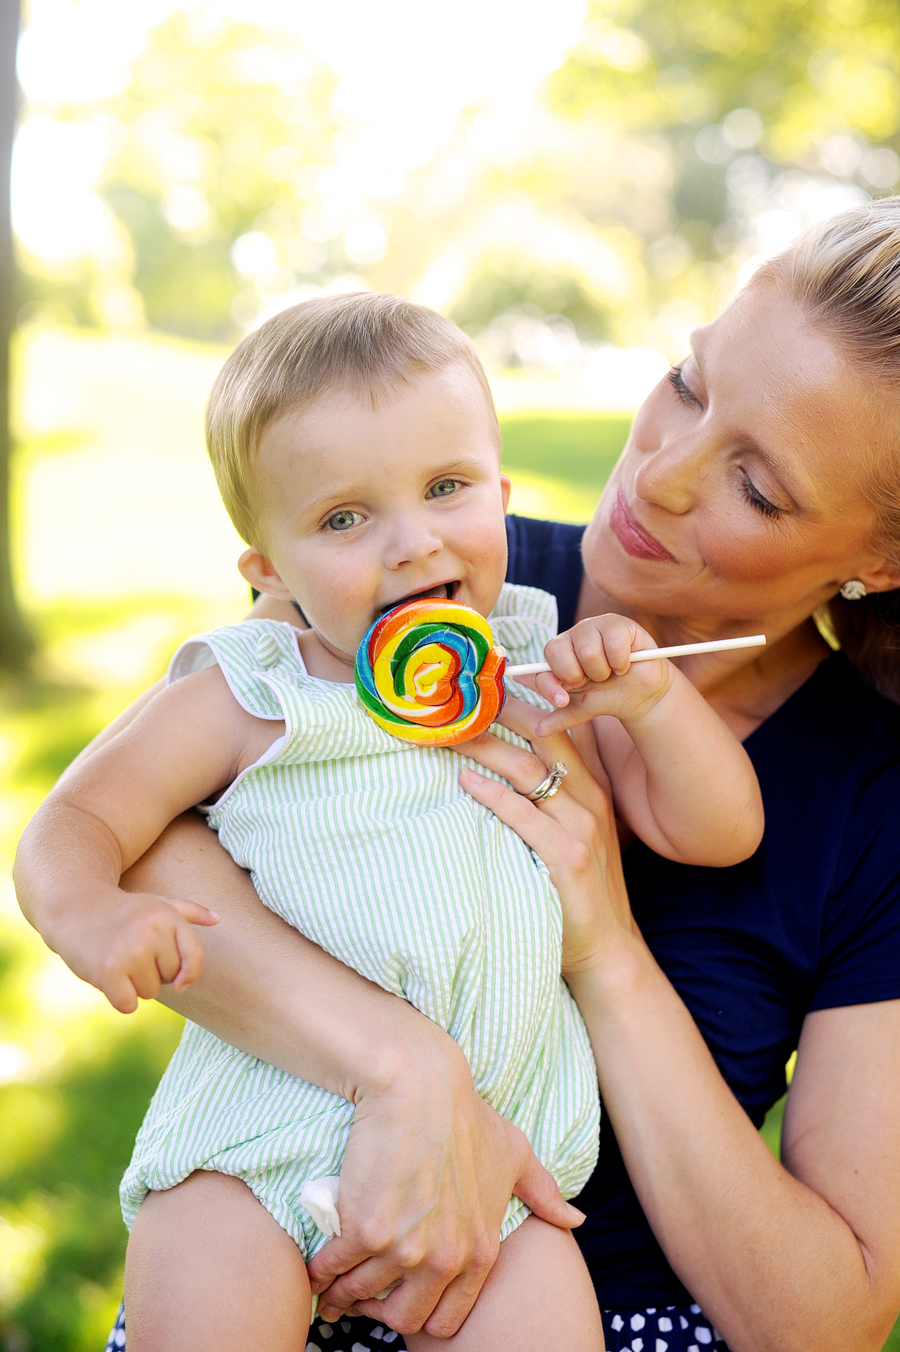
column 245, row 653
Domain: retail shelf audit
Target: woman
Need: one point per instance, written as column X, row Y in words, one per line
column 760, row 481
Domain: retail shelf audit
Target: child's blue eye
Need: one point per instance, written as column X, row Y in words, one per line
column 343, row 520
column 443, row 488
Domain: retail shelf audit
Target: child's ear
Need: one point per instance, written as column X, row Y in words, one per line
column 256, row 569
column 505, row 488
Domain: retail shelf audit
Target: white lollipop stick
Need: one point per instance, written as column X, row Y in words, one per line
column 719, row 645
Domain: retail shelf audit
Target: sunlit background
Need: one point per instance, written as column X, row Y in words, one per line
column 578, row 184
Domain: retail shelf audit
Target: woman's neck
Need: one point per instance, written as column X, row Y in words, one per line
column 745, row 686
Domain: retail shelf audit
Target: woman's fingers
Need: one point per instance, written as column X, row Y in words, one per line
column 423, row 1203
column 422, row 1192
column 436, row 1252
column 525, row 767
column 552, row 829
column 582, row 856
column 537, row 1187
column 436, row 1295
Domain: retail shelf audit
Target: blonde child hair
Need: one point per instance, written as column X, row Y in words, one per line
column 368, row 342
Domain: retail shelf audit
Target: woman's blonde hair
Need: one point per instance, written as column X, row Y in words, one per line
column 845, row 273
column 364, row 342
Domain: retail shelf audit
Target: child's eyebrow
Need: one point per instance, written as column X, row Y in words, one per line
column 455, row 466
column 354, row 492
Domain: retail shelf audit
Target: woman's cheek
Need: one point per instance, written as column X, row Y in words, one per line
column 738, row 554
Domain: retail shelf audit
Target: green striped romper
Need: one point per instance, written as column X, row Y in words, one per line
column 369, row 846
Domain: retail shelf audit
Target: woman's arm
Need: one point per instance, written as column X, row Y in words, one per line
column 429, row 1167
column 799, row 1255
column 795, row 1256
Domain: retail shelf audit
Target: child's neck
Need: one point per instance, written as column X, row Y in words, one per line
column 321, row 662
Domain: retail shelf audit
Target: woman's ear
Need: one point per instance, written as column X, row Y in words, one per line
column 256, row 569
column 883, row 577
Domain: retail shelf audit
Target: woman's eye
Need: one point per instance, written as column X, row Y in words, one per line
column 756, row 499
column 676, row 380
column 343, row 520
column 444, row 488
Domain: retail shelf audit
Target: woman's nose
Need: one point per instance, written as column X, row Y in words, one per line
column 671, row 475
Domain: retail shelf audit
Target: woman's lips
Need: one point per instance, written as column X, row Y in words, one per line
column 632, row 537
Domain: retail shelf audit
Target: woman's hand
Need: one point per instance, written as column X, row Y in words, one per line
column 574, row 832
column 425, row 1181
column 427, row 1174
column 429, row 1167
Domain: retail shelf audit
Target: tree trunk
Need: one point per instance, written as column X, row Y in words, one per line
column 16, row 642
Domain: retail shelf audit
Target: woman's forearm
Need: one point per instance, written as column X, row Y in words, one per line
column 429, row 1167
column 772, row 1262
column 267, row 989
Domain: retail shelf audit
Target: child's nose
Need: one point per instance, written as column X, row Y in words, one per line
column 411, row 540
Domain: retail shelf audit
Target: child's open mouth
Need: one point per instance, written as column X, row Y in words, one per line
column 444, row 591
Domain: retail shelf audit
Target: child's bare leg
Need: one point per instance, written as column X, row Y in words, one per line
column 209, row 1270
column 538, row 1295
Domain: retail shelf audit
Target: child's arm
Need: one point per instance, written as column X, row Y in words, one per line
column 680, row 779
column 188, row 742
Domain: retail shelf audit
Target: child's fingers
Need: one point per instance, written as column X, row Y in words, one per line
column 120, row 992
column 591, row 652
column 174, row 947
column 194, row 912
column 190, row 953
column 157, row 946
column 564, row 662
column 189, row 949
column 547, row 684
column 136, row 976
column 561, row 720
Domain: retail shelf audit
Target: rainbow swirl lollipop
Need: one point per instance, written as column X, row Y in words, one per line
column 429, row 672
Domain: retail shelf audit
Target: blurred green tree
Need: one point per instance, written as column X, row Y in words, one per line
column 671, row 146
column 224, row 134
column 756, row 113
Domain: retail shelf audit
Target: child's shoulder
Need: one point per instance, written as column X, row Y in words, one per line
column 246, row 653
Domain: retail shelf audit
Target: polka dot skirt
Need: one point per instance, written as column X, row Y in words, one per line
column 677, row 1328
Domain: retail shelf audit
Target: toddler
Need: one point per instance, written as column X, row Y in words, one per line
column 356, row 447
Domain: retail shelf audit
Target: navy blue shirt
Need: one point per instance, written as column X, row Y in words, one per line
column 811, row 921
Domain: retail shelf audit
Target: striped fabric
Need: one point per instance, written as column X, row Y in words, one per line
column 369, row 847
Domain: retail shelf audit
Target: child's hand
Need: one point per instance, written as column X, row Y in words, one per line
column 583, row 662
column 129, row 945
